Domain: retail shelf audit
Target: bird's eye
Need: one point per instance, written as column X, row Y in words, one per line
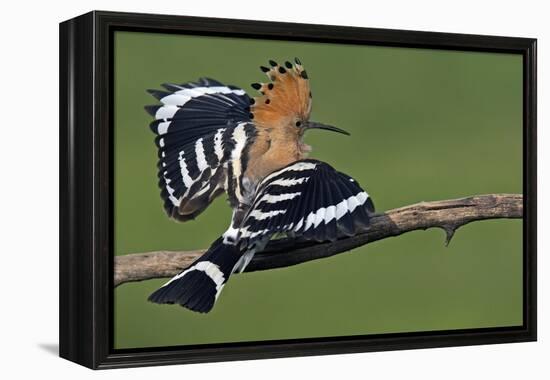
column 298, row 123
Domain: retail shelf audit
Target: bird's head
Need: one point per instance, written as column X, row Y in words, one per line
column 285, row 101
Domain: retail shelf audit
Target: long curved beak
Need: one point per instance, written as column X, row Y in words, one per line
column 314, row 125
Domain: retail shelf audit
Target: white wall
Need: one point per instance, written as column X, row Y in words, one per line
column 29, row 206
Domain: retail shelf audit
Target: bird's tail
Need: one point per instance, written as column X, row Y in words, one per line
column 198, row 287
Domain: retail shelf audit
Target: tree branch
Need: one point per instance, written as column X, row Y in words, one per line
column 447, row 215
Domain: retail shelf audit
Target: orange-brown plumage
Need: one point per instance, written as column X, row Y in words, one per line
column 285, row 99
column 284, row 105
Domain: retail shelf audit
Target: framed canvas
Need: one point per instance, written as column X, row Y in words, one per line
column 175, row 174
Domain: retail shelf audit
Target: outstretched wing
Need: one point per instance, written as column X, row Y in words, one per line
column 198, row 126
column 307, row 199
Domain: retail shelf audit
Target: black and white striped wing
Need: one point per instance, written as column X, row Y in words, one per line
column 307, row 199
column 198, row 126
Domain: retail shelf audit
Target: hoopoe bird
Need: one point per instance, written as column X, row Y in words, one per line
column 214, row 138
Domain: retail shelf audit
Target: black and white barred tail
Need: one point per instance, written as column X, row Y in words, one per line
column 199, row 286
column 307, row 199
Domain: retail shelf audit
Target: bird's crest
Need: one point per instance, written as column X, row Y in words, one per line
column 285, row 97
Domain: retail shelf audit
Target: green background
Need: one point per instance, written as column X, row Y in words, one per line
column 425, row 124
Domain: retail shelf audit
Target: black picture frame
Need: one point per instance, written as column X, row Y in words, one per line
column 86, row 188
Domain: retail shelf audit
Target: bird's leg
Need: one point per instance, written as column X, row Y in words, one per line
column 231, row 236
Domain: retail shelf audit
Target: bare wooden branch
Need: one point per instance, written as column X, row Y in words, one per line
column 447, row 215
